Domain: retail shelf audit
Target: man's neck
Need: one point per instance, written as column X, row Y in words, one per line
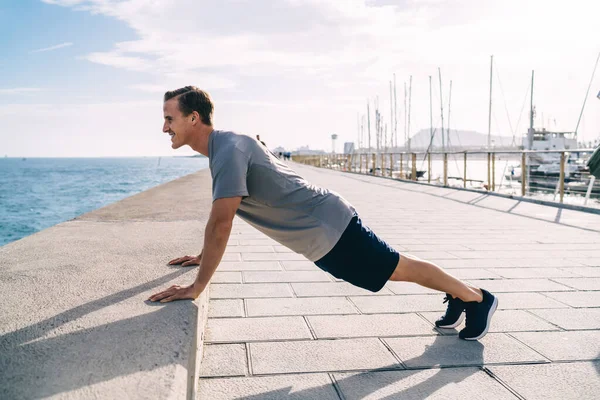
column 200, row 143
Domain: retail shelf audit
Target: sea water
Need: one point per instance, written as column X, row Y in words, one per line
column 37, row 193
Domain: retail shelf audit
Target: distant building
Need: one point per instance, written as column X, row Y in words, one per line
column 306, row 151
column 348, row 147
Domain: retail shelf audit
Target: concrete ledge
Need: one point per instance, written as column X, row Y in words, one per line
column 74, row 320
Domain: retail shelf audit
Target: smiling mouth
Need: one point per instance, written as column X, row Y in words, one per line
column 172, row 135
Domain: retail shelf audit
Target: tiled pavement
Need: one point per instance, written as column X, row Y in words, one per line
column 279, row 327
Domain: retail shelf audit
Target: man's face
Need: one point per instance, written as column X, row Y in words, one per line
column 176, row 124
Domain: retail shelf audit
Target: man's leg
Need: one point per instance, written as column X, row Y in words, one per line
column 424, row 273
column 479, row 306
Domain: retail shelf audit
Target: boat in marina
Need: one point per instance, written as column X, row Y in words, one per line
column 544, row 168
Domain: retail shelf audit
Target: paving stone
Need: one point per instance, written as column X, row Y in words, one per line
column 280, row 387
column 586, row 261
column 226, row 277
column 223, row 360
column 250, row 266
column 434, row 247
column 408, row 288
column 401, row 242
column 533, row 272
column 250, row 249
column 519, row 285
column 560, row 346
column 543, row 262
column 576, row 381
column 399, row 304
column 524, row 301
column 563, row 246
column 262, row 241
column 282, row 249
column 472, row 254
column 285, row 276
column 448, row 351
column 372, row 325
column 225, row 308
column 503, row 321
column 475, row 263
column 320, row 356
column 581, row 283
column 299, row 266
column 232, row 257
column 272, row 256
column 472, row 273
column 437, row 384
column 572, row 318
column 585, row 271
column 299, row 306
column 247, row 290
column 333, row 289
column 252, row 329
column 576, row 299
column 588, row 254
column 433, row 255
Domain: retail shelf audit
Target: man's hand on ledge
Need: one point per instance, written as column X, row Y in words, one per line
column 187, row 261
column 177, row 292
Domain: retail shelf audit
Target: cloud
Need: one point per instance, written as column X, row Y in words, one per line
column 65, row 3
column 341, row 53
column 293, row 35
column 171, row 81
column 115, row 59
column 20, row 90
column 58, row 46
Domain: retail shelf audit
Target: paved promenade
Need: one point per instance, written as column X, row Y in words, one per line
column 279, row 328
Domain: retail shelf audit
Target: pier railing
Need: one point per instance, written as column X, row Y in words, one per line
column 556, row 175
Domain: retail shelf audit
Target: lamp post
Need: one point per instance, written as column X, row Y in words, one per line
column 333, row 139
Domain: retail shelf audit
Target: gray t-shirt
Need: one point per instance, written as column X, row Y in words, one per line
column 305, row 218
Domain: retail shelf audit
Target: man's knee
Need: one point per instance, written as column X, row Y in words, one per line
column 400, row 272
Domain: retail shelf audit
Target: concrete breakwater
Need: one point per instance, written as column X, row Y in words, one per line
column 74, row 320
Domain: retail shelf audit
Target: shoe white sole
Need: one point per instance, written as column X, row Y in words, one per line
column 457, row 323
column 489, row 319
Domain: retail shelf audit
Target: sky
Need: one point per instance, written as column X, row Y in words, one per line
column 85, row 78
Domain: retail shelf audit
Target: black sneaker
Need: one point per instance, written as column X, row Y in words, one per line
column 454, row 313
column 479, row 316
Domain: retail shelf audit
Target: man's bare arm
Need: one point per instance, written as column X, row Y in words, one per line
column 218, row 229
column 216, row 236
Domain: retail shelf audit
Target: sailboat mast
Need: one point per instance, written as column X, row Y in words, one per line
column 369, row 126
column 530, row 131
column 449, row 105
column 430, row 112
column 442, row 110
column 362, row 131
column 409, row 102
column 391, row 117
column 358, row 129
column 377, row 139
column 490, row 112
column 385, row 137
column 395, row 115
column 405, row 114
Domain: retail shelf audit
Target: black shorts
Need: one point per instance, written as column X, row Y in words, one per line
column 360, row 258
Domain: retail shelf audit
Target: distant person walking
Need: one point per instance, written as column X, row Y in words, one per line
column 258, row 138
column 251, row 182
